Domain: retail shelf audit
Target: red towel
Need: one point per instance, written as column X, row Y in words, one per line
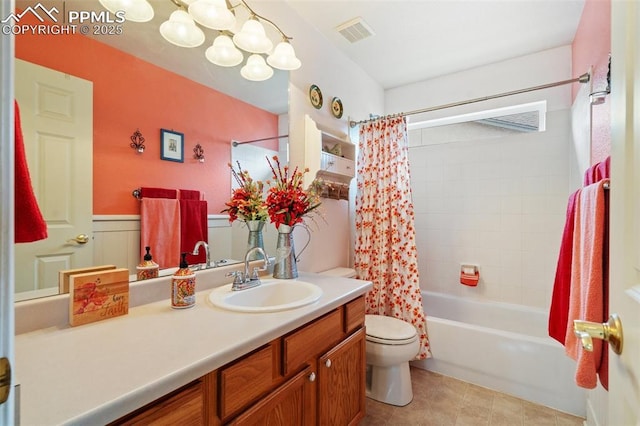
column 559, row 310
column 193, row 228
column 160, row 230
column 603, row 371
column 587, row 280
column 29, row 224
column 158, row 193
column 188, row 194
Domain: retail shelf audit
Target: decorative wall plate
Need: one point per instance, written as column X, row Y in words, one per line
column 315, row 95
column 336, row 107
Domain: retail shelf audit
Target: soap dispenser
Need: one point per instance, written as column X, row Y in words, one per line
column 147, row 268
column 183, row 286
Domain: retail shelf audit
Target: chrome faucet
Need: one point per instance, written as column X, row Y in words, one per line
column 196, row 251
column 245, row 280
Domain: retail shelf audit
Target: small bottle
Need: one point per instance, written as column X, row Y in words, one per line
column 147, row 268
column 183, row 286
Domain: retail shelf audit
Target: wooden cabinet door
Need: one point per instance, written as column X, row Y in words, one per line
column 341, row 382
column 287, row 405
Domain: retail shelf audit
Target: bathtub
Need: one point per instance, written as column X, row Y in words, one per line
column 502, row 347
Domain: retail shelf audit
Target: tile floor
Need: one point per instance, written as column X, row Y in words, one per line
column 444, row 401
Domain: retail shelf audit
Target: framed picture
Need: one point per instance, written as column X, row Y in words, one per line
column 172, row 145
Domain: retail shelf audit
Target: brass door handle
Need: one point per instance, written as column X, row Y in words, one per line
column 80, row 239
column 611, row 331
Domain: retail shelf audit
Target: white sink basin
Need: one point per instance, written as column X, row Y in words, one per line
column 272, row 295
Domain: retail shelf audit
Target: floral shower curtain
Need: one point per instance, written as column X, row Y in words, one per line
column 385, row 248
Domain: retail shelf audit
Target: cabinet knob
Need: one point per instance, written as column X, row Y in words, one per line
column 312, row 377
column 328, row 363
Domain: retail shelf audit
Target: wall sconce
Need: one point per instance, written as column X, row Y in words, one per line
column 137, row 141
column 198, row 153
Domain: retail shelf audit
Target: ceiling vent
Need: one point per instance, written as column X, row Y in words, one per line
column 355, row 30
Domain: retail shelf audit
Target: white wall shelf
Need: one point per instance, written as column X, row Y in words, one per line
column 327, row 155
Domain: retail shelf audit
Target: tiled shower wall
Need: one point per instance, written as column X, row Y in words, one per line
column 498, row 202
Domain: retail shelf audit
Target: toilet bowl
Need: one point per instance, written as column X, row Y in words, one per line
column 390, row 344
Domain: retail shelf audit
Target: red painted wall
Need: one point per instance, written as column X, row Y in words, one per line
column 130, row 94
column 591, row 47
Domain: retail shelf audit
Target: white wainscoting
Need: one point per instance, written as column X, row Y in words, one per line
column 116, row 239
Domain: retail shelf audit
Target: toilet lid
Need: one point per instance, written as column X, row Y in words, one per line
column 381, row 328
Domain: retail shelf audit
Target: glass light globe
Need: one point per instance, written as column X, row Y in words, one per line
column 253, row 38
column 223, row 52
column 135, row 10
column 284, row 57
column 181, row 30
column 212, row 14
column 256, row 69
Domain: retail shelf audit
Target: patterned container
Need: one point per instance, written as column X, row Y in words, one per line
column 147, row 268
column 183, row 286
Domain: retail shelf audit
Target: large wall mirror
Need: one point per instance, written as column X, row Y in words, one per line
column 130, row 103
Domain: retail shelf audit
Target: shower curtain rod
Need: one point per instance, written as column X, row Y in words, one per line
column 236, row 143
column 584, row 78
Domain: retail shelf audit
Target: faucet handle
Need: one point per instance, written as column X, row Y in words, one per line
column 238, row 277
column 254, row 275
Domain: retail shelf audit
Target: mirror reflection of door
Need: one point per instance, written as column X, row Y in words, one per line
column 56, row 112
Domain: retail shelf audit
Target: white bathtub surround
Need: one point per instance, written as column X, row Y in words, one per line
column 501, row 346
column 499, row 203
column 385, row 241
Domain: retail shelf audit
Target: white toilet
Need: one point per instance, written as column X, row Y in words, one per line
column 390, row 344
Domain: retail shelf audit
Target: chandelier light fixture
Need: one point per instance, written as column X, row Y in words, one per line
column 228, row 47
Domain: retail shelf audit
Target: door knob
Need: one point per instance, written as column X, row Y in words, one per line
column 80, row 239
column 611, row 331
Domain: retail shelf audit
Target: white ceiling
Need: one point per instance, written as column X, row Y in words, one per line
column 414, row 40
column 420, row 39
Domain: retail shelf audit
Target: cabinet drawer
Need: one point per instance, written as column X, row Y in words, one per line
column 339, row 165
column 354, row 315
column 184, row 406
column 246, row 380
column 312, row 340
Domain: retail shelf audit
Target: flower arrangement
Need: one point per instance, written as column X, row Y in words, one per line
column 287, row 202
column 247, row 201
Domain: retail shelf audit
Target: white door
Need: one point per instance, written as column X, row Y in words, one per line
column 624, row 370
column 56, row 111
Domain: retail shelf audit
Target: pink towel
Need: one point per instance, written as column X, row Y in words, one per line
column 160, row 230
column 587, row 280
column 193, row 228
column 559, row 310
column 29, row 224
column 597, row 172
column 158, row 193
column 188, row 194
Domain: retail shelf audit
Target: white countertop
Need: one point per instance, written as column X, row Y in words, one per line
column 96, row 373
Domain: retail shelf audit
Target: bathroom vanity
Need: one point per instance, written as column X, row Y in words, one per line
column 202, row 365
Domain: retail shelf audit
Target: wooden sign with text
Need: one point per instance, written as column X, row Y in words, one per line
column 98, row 295
column 64, row 276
